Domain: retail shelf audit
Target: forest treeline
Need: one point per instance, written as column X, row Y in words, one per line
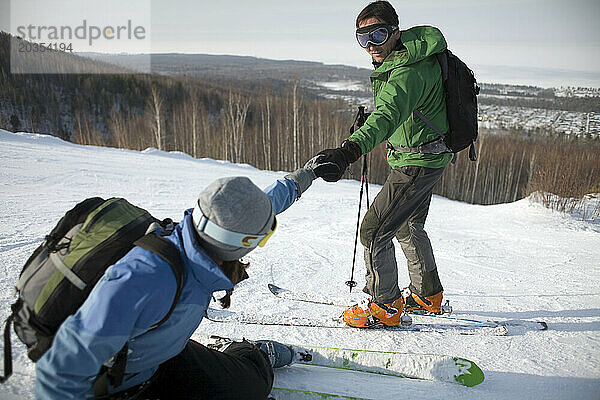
column 512, row 165
column 271, row 129
column 265, row 127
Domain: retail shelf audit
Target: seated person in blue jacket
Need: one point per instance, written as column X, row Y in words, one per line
column 137, row 291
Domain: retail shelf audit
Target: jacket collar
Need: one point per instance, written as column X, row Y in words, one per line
column 204, row 268
column 415, row 44
column 399, row 47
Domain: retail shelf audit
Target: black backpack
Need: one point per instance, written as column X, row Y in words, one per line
column 61, row 272
column 460, row 92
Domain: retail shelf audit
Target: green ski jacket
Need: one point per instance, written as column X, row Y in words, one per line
column 408, row 79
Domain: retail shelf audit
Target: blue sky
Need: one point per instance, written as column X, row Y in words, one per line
column 537, row 34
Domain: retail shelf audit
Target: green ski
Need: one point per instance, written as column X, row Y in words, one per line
column 297, row 394
column 432, row 367
column 407, row 365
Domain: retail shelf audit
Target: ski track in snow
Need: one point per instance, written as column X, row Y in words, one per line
column 510, row 261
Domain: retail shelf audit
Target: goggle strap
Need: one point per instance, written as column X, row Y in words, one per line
column 372, row 28
column 223, row 235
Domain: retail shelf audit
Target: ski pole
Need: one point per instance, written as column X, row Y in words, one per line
column 366, row 175
column 352, row 283
column 358, row 122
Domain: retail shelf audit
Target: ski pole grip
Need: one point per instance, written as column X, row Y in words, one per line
column 362, row 116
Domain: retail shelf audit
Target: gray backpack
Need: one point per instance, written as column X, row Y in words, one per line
column 61, row 272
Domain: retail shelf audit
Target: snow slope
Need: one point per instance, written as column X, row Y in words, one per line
column 507, row 261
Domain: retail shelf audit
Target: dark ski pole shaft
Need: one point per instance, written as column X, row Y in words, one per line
column 364, row 183
column 366, row 177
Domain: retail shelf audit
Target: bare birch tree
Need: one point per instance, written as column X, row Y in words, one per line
column 155, row 105
column 118, row 128
column 267, row 131
column 195, row 117
column 237, row 109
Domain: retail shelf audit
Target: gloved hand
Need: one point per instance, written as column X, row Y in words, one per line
column 330, row 164
column 303, row 177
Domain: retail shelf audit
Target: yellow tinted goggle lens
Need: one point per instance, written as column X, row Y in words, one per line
column 271, row 231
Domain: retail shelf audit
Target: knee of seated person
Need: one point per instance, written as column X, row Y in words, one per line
column 252, row 353
column 245, row 349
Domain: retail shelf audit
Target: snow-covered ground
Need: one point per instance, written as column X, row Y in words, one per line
column 511, row 261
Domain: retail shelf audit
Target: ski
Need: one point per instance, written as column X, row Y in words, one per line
column 514, row 326
column 405, row 365
column 431, row 367
column 222, row 316
column 278, row 393
column 305, row 297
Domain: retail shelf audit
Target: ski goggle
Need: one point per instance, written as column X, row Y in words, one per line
column 376, row 34
column 235, row 239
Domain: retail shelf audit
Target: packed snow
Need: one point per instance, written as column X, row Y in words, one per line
column 510, row 261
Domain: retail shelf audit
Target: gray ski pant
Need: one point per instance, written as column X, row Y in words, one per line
column 400, row 210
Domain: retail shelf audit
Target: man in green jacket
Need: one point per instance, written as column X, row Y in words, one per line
column 407, row 78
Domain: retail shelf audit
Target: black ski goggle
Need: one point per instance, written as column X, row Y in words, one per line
column 376, row 34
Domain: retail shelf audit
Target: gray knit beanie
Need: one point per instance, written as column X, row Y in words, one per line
column 234, row 204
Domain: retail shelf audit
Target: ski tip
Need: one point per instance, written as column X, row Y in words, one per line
column 276, row 290
column 471, row 375
column 543, row 325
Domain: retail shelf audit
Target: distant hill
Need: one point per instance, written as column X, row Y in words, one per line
column 217, row 116
column 278, row 114
column 334, row 81
column 242, row 67
column 249, row 72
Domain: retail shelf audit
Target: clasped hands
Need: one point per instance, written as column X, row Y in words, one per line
column 330, row 164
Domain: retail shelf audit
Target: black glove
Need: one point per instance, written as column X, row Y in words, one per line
column 330, row 164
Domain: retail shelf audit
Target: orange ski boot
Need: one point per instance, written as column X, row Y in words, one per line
column 424, row 304
column 369, row 313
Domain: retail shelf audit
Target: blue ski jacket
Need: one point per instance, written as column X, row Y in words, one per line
column 132, row 296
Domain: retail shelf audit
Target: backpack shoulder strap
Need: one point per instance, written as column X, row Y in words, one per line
column 430, row 124
column 443, row 61
column 8, row 364
column 169, row 253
